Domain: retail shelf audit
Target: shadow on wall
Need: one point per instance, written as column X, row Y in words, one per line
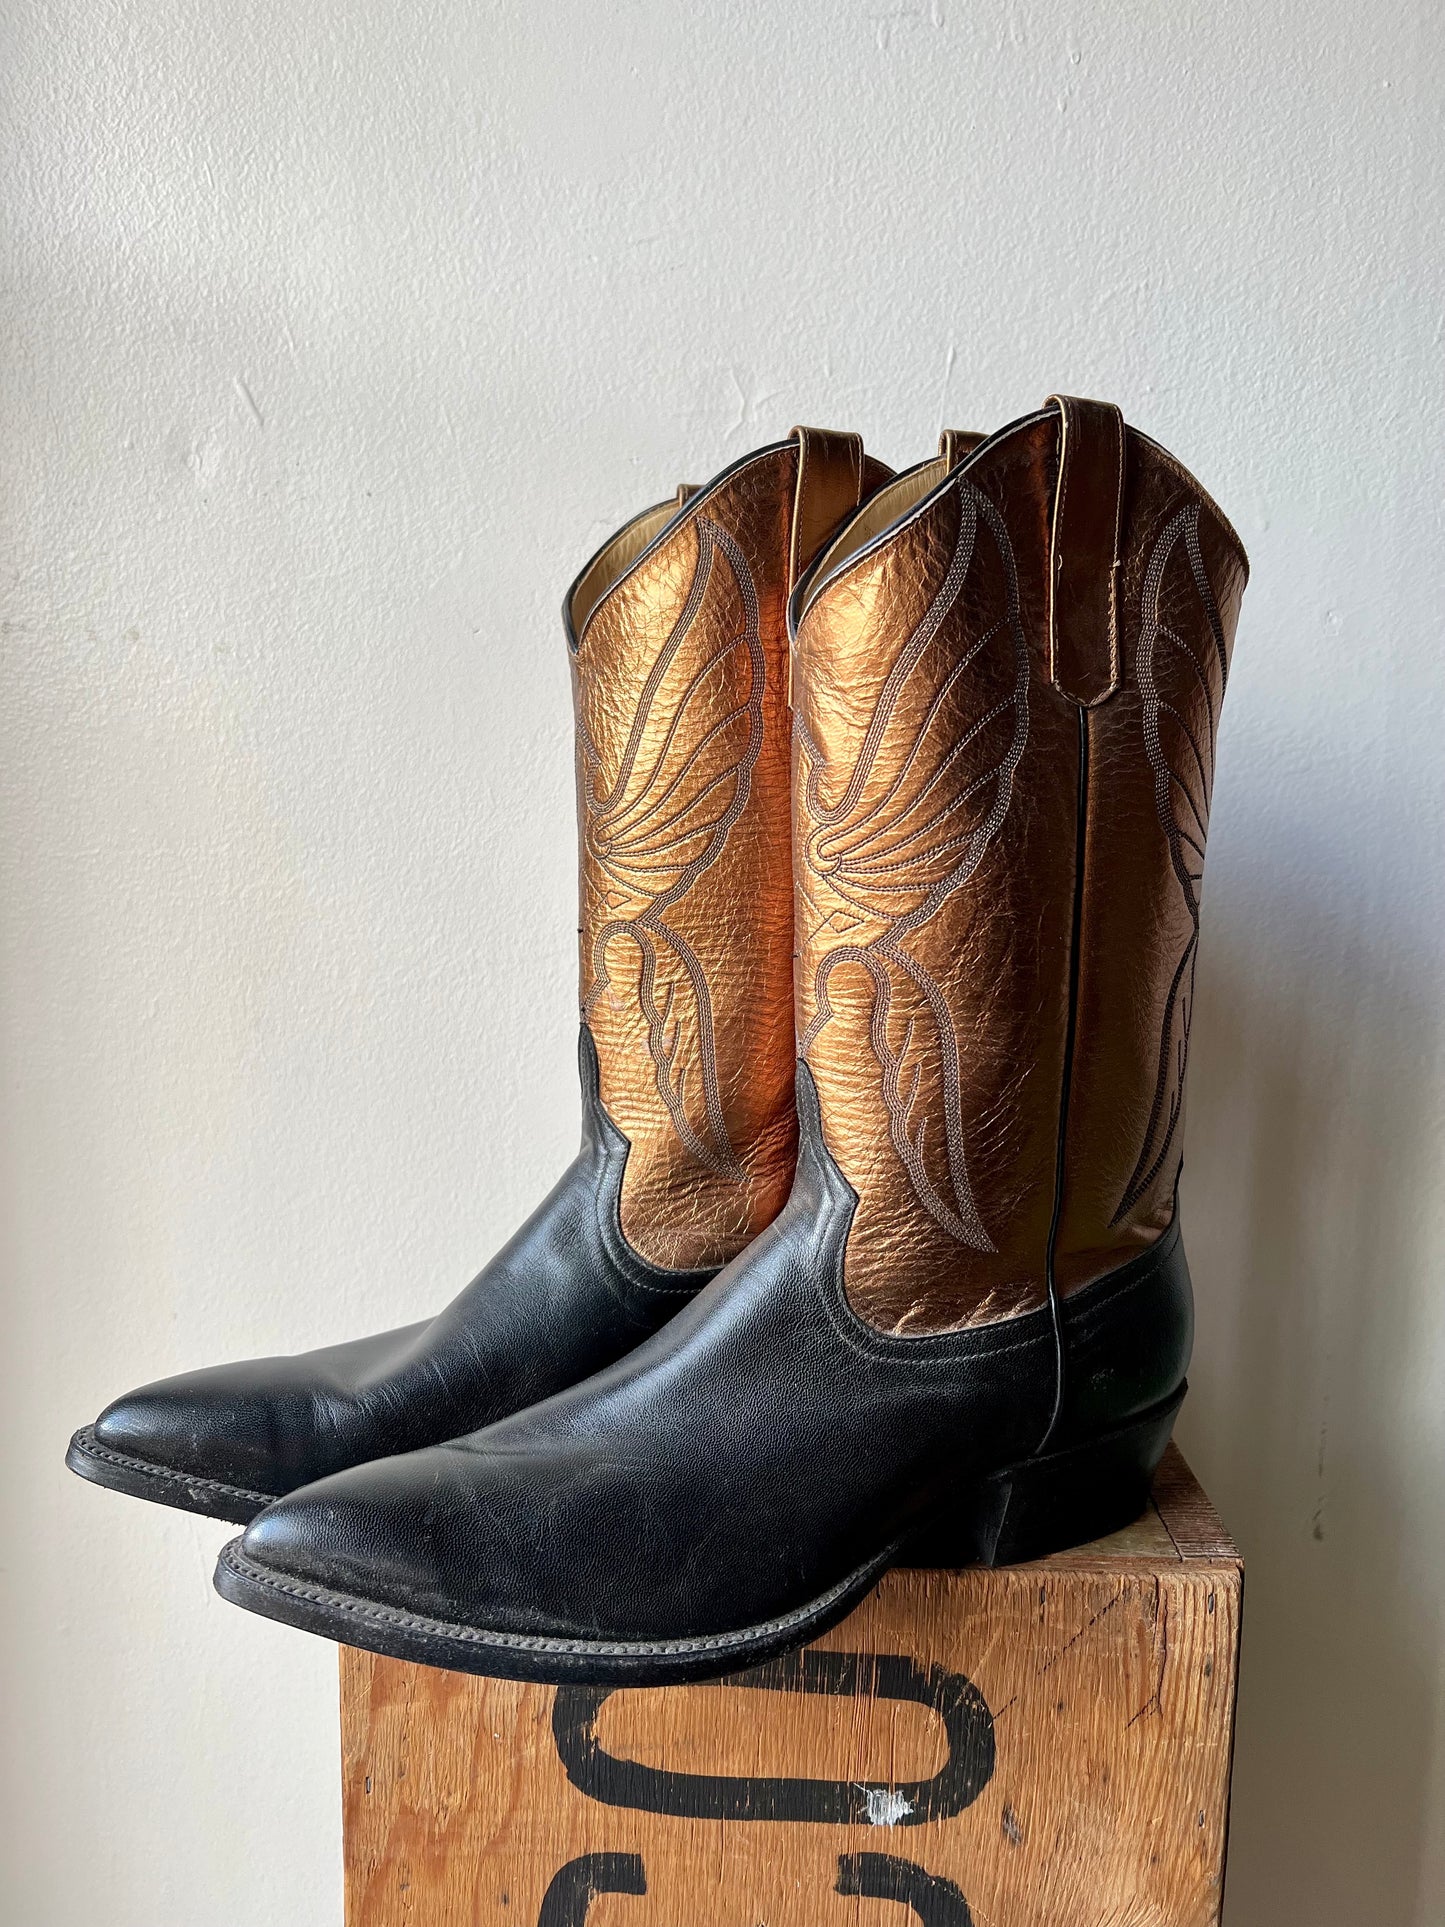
column 1308, row 1146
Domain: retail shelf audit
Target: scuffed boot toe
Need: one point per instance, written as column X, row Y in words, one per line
column 148, row 1444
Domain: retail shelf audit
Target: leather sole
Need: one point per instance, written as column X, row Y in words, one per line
column 161, row 1484
column 1025, row 1511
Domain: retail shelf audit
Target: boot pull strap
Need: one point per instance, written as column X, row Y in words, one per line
column 1084, row 545
column 955, row 443
column 829, row 488
column 685, row 493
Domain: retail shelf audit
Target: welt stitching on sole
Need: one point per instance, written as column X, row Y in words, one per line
column 444, row 1630
column 90, row 1448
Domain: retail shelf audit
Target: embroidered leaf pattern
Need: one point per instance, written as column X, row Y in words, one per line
column 1183, row 667
column 906, row 829
column 659, row 820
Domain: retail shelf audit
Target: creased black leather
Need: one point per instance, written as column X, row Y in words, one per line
column 566, row 1296
column 762, row 1446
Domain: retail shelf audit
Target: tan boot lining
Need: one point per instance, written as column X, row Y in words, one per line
column 890, row 501
column 610, row 564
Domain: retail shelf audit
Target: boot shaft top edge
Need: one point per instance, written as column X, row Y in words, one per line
column 1002, row 783
column 685, row 929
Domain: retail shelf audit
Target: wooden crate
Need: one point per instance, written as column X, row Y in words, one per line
column 1046, row 1746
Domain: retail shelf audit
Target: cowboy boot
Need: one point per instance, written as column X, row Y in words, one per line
column 678, row 643
column 965, row 1336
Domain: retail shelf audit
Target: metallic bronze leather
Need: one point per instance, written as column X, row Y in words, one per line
column 889, row 500
column 1151, row 762
column 686, row 888
column 1085, row 550
column 934, row 894
column 956, row 444
column 937, row 827
column 829, row 486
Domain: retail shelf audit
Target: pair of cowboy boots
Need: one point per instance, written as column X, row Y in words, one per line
column 871, row 1251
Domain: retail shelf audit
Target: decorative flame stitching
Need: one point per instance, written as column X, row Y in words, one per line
column 868, row 856
column 643, row 831
column 1182, row 798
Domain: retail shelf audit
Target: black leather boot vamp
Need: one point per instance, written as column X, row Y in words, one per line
column 564, row 1297
column 732, row 1487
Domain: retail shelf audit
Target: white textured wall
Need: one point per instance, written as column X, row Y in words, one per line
column 338, row 333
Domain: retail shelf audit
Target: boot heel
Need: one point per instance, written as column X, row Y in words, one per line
column 1050, row 1503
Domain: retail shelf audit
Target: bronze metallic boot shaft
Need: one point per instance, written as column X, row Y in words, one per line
column 1006, row 705
column 680, row 656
